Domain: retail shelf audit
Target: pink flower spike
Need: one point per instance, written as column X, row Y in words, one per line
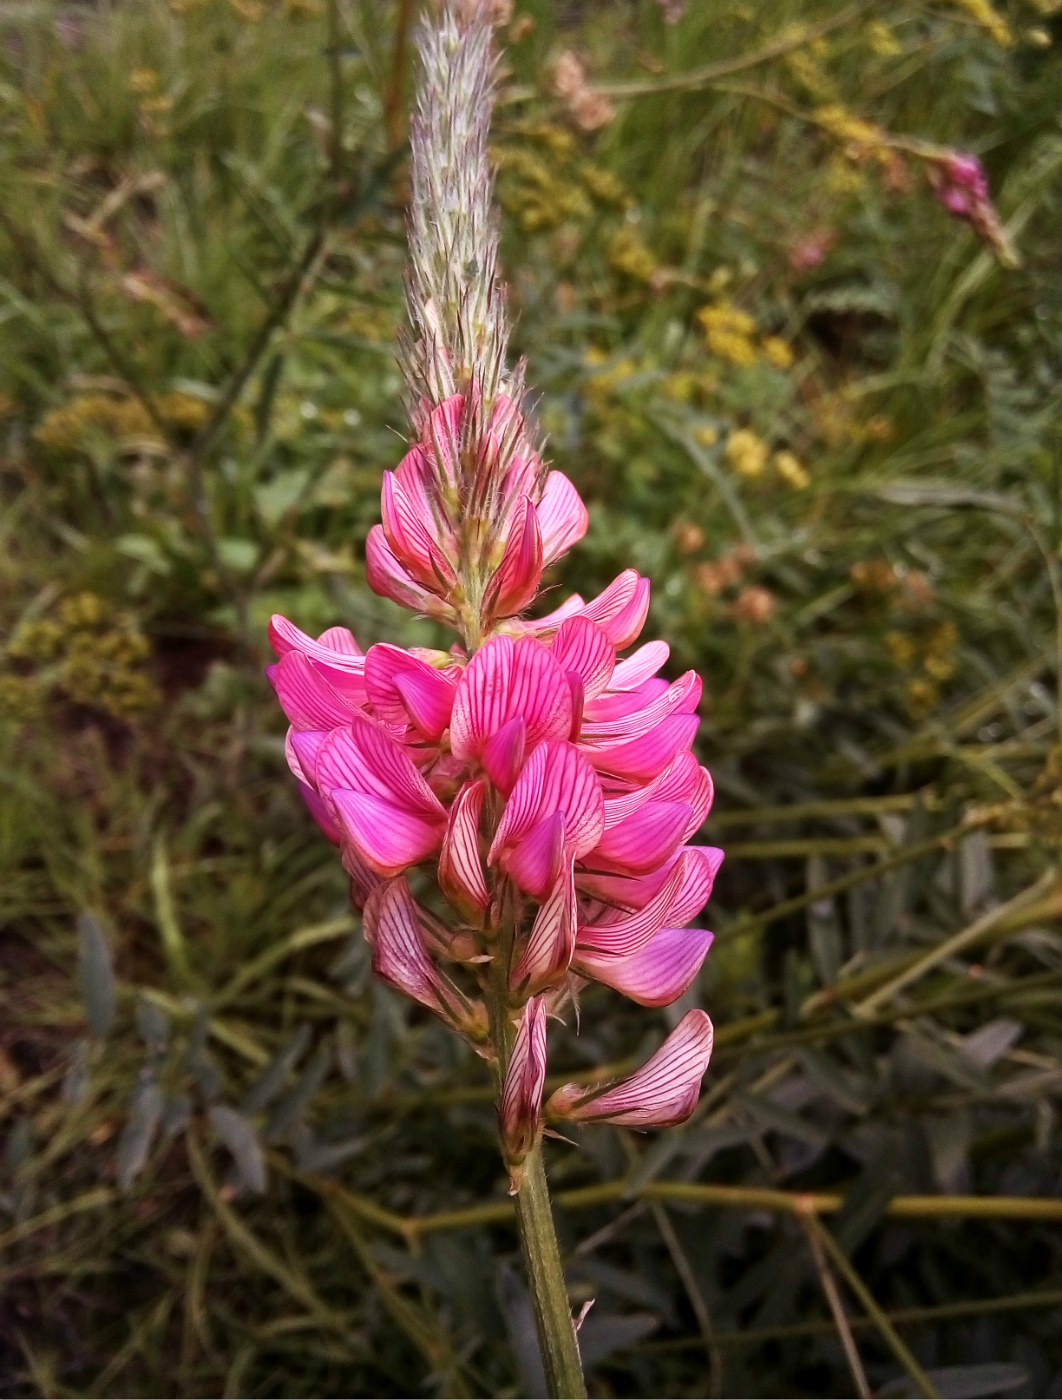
column 503, row 754
column 505, row 679
column 517, row 577
column 556, row 778
column 306, row 697
column 657, row 974
column 583, row 647
column 404, row 690
column 460, row 867
column 562, row 516
column 521, row 1102
column 392, row 928
column 552, row 939
column 659, row 1095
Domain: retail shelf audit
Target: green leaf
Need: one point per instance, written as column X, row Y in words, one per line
column 239, row 1136
column 141, row 1127
column 98, row 990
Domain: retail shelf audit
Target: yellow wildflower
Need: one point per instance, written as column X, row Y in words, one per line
column 883, row 40
column 729, row 333
column 778, row 351
column 707, row 436
column 982, row 13
column 901, row 648
column 629, row 255
column 746, row 453
column 789, row 468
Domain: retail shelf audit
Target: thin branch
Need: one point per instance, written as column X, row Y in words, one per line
column 696, row 1297
column 840, row 1317
column 393, row 96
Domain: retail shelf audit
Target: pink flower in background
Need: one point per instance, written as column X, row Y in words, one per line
column 961, row 186
column 515, row 813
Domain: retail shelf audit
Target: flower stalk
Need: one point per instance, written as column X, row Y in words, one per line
column 543, row 787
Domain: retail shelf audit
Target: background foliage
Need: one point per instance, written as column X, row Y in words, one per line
column 815, row 410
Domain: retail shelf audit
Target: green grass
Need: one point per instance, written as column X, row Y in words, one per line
column 200, row 284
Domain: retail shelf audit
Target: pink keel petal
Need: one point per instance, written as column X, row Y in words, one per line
column 340, row 639
column 521, row 1100
column 408, row 531
column 623, row 936
column 387, row 576
column 562, row 515
column 627, row 892
column 660, row 1094
column 644, row 758
column 364, row 758
column 658, row 973
column 625, row 626
column 680, row 698
column 552, row 939
column 505, row 679
column 643, row 841
column 388, row 838
column 503, row 754
column 403, row 690
column 306, row 697
column 534, row 864
column 645, row 663
column 460, row 868
column 520, row 571
column 556, row 778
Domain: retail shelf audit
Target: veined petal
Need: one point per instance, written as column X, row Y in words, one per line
column 643, row 759
column 678, row 782
column 645, row 663
column 552, row 938
column 392, row 928
column 306, row 697
column 517, row 577
column 562, row 516
column 521, row 1100
column 388, row 838
column 335, row 646
column 581, row 646
column 460, row 867
column 505, row 679
column 321, row 813
column 623, row 935
column 386, row 575
column 658, row 973
column 302, row 747
column 503, row 754
column 613, row 599
column 535, row 861
column 363, row 879
column 626, row 625
column 404, row 690
column 443, row 433
column 556, row 778
column 643, row 840
column 680, row 698
column 363, row 758
column 407, row 527
column 634, row 892
column 660, row 1094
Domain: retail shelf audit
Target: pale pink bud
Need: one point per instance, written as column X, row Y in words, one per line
column 518, row 575
column 521, row 1102
column 660, row 1094
column 461, row 875
column 552, row 938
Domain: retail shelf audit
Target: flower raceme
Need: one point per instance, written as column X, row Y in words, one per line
column 547, row 791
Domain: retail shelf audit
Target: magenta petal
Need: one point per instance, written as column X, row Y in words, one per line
column 364, row 758
column 644, row 840
column 645, row 663
column 460, row 867
column 562, row 515
column 552, row 938
column 403, row 689
column 306, row 697
column 389, row 838
column 644, row 758
column 582, row 647
column 625, row 626
column 614, row 599
column 505, row 679
column 658, row 973
column 340, row 639
column 621, row 935
column 556, row 778
column 535, row 863
column 303, row 746
column 407, row 532
column 392, row 927
column 321, row 813
column 525, row 1079
column 701, row 867
column 518, row 575
column 363, row 879
column 663, row 1092
column 503, row 754
column 680, row 698
column 387, row 576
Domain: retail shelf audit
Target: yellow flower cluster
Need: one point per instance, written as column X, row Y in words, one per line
column 732, row 335
column 89, row 654
column 746, row 453
column 542, row 186
column 983, row 13
column 629, row 255
column 72, row 426
column 934, row 654
column 883, row 40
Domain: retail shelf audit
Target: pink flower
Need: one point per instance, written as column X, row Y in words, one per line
column 660, row 1094
column 961, row 186
column 520, row 1109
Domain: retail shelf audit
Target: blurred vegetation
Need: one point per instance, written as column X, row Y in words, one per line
column 814, row 409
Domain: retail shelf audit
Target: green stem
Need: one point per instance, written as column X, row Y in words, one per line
column 545, row 1277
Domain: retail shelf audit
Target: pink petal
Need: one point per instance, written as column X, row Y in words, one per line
column 408, row 532
column 644, row 840
column 284, row 636
column 552, row 939
column 562, row 515
column 303, row 746
column 403, row 690
column 644, row 758
column 306, row 697
column 505, row 679
column 622, row 935
column 582, row 647
column 634, row 892
column 363, row 879
column 365, row 759
column 535, row 862
column 625, row 626
column 658, row 973
column 517, row 577
column 547, row 625
column 321, row 813
column 443, row 432
column 645, row 662
column 525, row 1079
column 392, row 927
column 660, row 1094
column 388, row 838
column 614, row 599
column 503, row 754
column 680, row 698
column 578, row 694
column 556, row 778
column 460, row 867
column 385, row 575
column 679, row 782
